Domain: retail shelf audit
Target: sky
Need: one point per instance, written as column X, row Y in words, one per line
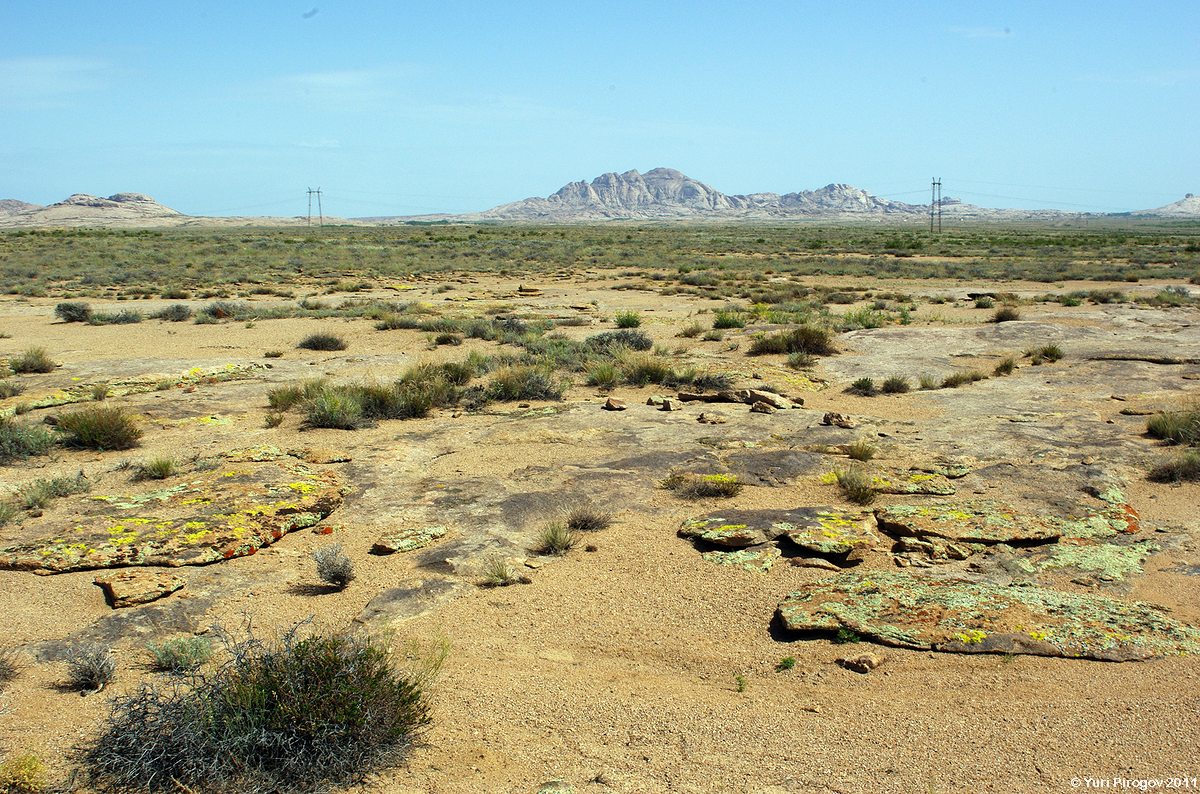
column 400, row 108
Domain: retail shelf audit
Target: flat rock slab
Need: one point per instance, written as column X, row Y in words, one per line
column 979, row 521
column 407, row 540
column 229, row 511
column 911, row 483
column 399, row 604
column 130, row 587
column 820, row 530
column 758, row 559
column 966, row 615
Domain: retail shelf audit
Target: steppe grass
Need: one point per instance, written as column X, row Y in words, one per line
column 40, row 493
column 628, row 319
column 587, row 518
column 896, row 384
column 1176, row 427
column 322, row 342
column 33, row 360
column 810, row 339
column 19, row 441
column 100, row 428
column 856, row 484
column 1185, row 467
column 556, row 538
column 703, row 486
column 180, row 654
column 862, row 449
column 155, row 469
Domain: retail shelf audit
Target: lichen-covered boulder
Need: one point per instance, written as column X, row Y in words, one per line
column 409, row 539
column 911, row 483
column 819, row 530
column 130, row 587
column 965, row 614
column 229, row 511
column 758, row 559
column 977, row 521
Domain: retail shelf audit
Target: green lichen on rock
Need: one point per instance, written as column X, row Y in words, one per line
column 971, row 521
column 405, row 540
column 968, row 615
column 758, row 559
column 911, row 483
column 820, row 530
column 1107, row 561
column 230, row 511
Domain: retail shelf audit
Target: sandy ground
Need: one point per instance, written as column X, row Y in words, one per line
column 615, row 669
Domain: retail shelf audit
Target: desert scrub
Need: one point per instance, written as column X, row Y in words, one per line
column 99, row 428
column 1006, row 314
column 985, row 302
column 602, row 374
column 727, row 319
column 587, row 518
column 90, row 667
column 691, row 330
column 180, row 654
column 155, row 469
column 1050, row 353
column 896, row 384
column 703, row 485
column 556, row 538
column 863, row 387
column 628, row 319
column 1005, row 367
column 861, row 449
column 956, row 379
column 284, row 398
column 322, row 342
column 10, row 388
column 123, row 317
column 334, row 568
column 1183, row 468
column 810, row 339
column 19, row 441
column 499, row 572
column 301, row 714
column 524, row 383
column 175, row 313
column 336, row 409
column 856, row 484
column 609, row 341
column 1176, row 427
column 39, row 493
column 801, row 360
column 33, row 360
column 73, row 312
column 24, row 774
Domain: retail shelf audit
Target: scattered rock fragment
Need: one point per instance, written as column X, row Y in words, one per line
column 671, row 405
column 710, row 418
column 613, row 404
column 838, row 420
column 409, row 539
column 762, row 408
column 754, row 396
column 863, row 663
column 815, row 562
column 130, row 587
column 655, row 400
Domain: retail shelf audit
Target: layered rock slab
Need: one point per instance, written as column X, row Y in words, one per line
column 229, row 511
column 964, row 614
column 817, row 530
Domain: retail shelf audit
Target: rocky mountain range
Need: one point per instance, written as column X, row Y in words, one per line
column 662, row 194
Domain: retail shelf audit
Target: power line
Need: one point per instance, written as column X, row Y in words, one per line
column 320, row 211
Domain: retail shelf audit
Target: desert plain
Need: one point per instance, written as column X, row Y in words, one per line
column 1008, row 602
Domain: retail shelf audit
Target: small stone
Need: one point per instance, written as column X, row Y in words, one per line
column 613, row 404
column 522, row 405
column 863, row 663
column 671, row 405
column 407, row 540
column 129, row 587
column 769, row 397
column 832, row 418
column 534, row 563
column 655, row 400
column 323, row 529
column 814, row 562
column 710, row 418
column 320, row 455
column 762, row 408
column 556, row 787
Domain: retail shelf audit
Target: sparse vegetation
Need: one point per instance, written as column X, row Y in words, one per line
column 862, row 449
column 24, row 774
column 588, row 518
column 628, row 319
column 333, row 566
column 175, row 313
column 863, row 387
column 809, row 339
column 40, row 493
column 896, row 384
column 1176, row 427
column 19, row 441
column 91, row 667
column 956, row 379
column 1185, row 467
column 1006, row 314
column 155, row 469
column 180, row 654
column 556, row 538
column 11, row 665
column 703, row 486
column 323, row 342
column 10, row 388
column 99, row 428
column 499, row 572
column 524, row 383
column 856, row 484
column 1005, row 367
column 304, row 714
column 1045, row 353
column 73, row 312
column 33, row 360
column 785, row 664
column 726, row 319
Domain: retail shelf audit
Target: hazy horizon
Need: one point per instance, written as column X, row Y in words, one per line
column 236, row 110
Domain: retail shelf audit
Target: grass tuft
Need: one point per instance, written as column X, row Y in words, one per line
column 33, row 360
column 856, row 484
column 556, row 538
column 322, row 342
column 100, row 428
column 703, row 485
column 91, row 667
column 180, row 654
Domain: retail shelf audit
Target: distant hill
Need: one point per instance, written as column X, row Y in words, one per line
column 1186, row 207
column 12, row 206
column 120, row 209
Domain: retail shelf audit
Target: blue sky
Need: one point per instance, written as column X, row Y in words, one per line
column 402, row 108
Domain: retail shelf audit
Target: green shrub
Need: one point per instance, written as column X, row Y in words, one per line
column 556, row 538
column 642, row 369
column 713, row 336
column 336, row 409
column 73, row 312
column 785, row 664
column 956, row 379
column 155, row 469
column 856, row 484
column 20, row 441
column 175, row 313
column 609, row 341
column 180, row 654
column 524, row 383
column 984, row 302
column 703, row 485
column 24, row 774
column 604, row 374
column 284, row 398
column 1183, row 468
column 100, row 428
column 1005, row 367
column 801, row 360
column 226, row 310
column 35, row 359
column 299, row 715
column 810, row 339
column 896, row 384
column 1176, row 427
column 448, row 338
column 864, row 387
column 724, row 320
column 322, row 342
column 628, row 319
column 333, row 566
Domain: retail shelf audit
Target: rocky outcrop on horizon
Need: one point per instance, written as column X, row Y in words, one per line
column 1186, row 207
column 13, row 206
column 82, row 209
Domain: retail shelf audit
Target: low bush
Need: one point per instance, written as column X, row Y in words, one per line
column 896, row 384
column 448, row 338
column 73, row 312
column 10, row 388
column 303, row 714
column 985, row 302
column 20, row 441
column 928, row 382
column 628, row 319
column 1050, row 353
column 175, row 313
column 226, row 310
column 609, row 341
column 713, row 381
column 1183, row 468
column 524, row 383
column 155, row 469
column 604, row 374
column 180, row 654
column 691, row 330
column 1006, row 314
column 335, row 409
column 801, row 360
column 724, row 320
column 33, row 360
column 40, row 493
column 100, row 428
column 333, row 566
column 123, row 317
column 864, row 387
column 703, row 485
column 856, row 484
column 810, row 339
column 90, row 667
column 499, row 572
column 284, row 398
column 956, row 379
column 324, row 342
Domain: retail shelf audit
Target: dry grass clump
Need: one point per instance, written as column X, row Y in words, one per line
column 499, row 572
column 811, row 339
column 302, row 714
column 523, row 382
column 334, row 568
column 11, row 665
column 863, row 387
column 1044, row 353
column 33, row 360
column 19, row 441
column 10, row 388
column 1184, row 468
column 703, row 485
column 862, row 449
column 91, row 667
column 1005, row 367
column 896, row 384
column 856, row 484
column 588, row 518
column 39, row 493
column 1006, row 314
column 99, row 428
column 322, row 341
column 1176, row 427
column 556, row 538
column 155, row 469
column 73, row 312
column 954, row 380
column 628, row 319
